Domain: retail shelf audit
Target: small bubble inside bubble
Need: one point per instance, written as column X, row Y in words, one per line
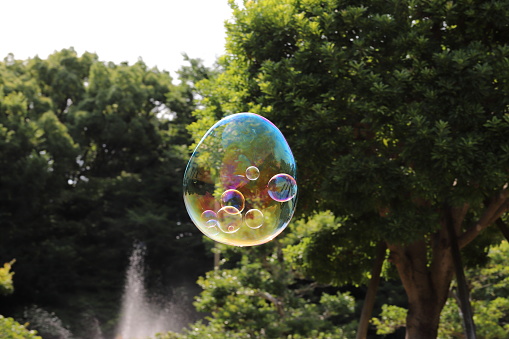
column 282, row 187
column 233, row 198
column 252, row 173
column 211, row 223
column 208, row 215
column 254, row 218
column 212, row 228
column 229, row 219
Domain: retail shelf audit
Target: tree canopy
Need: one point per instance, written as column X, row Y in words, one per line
column 91, row 156
column 397, row 113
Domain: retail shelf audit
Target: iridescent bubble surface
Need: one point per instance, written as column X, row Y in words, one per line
column 229, row 219
column 252, row 173
column 208, row 215
column 233, row 198
column 229, row 188
column 254, row 218
column 282, row 187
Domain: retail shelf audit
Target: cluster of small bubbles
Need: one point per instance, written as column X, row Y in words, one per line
column 229, row 219
column 230, row 199
column 209, row 218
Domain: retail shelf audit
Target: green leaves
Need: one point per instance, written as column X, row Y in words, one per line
column 11, row 329
column 256, row 293
column 391, row 318
column 91, row 156
column 6, row 285
column 392, row 109
column 328, row 253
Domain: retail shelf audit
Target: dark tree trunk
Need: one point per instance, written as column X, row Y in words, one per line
column 423, row 319
column 427, row 279
column 426, row 282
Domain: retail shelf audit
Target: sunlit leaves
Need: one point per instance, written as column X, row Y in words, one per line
column 11, row 329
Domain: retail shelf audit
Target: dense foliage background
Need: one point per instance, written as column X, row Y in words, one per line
column 397, row 113
column 91, row 156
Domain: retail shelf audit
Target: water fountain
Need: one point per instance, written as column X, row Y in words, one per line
column 47, row 324
column 141, row 315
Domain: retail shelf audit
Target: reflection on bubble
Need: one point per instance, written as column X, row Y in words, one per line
column 227, row 196
column 234, row 182
column 254, row 218
column 252, row 173
column 229, row 219
column 233, row 198
column 282, row 187
column 208, row 215
column 212, row 227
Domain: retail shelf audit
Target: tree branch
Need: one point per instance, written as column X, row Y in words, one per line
column 466, row 309
column 410, row 260
column 458, row 216
column 496, row 208
column 369, row 300
column 310, row 287
column 441, row 266
column 275, row 301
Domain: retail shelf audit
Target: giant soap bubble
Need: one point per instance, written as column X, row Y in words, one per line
column 240, row 184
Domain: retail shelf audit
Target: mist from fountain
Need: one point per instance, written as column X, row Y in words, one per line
column 141, row 315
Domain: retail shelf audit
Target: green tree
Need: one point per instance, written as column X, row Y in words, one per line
column 397, row 114
column 11, row 329
column 256, row 294
column 91, row 156
column 6, row 274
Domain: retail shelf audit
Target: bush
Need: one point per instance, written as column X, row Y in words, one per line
column 6, row 279
column 11, row 329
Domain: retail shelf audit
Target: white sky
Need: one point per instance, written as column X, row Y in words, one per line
column 158, row 31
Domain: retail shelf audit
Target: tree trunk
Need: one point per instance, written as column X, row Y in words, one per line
column 423, row 319
column 426, row 267
column 426, row 298
column 369, row 300
column 426, row 282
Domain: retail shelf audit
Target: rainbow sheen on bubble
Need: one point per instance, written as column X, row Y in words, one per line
column 254, row 218
column 282, row 187
column 233, row 198
column 208, row 215
column 229, row 219
column 229, row 188
column 252, row 173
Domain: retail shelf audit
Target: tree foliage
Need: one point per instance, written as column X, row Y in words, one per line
column 396, row 112
column 6, row 286
column 91, row 156
column 10, row 329
column 255, row 293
